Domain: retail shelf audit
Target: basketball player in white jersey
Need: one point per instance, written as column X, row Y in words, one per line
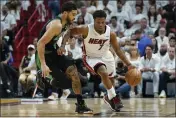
column 97, row 58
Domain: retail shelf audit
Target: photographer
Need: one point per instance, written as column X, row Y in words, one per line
column 26, row 76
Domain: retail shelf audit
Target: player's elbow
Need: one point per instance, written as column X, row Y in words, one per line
column 40, row 45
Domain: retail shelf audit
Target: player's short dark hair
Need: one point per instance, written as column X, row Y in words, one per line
column 99, row 14
column 68, row 6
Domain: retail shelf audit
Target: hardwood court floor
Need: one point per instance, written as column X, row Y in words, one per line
column 134, row 107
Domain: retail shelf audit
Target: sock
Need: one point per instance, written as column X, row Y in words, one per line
column 79, row 98
column 111, row 93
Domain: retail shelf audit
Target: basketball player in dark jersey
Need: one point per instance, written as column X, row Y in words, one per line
column 52, row 64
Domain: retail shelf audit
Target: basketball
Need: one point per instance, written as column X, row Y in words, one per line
column 133, row 77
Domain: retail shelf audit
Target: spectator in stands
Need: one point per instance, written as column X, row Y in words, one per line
column 5, row 52
column 163, row 24
column 88, row 18
column 137, row 3
column 92, row 6
column 127, row 44
column 168, row 11
column 124, row 13
column 74, row 51
column 149, row 66
column 54, row 6
column 10, row 21
column 134, row 58
column 135, row 21
column 168, row 71
column 172, row 41
column 171, row 34
column 143, row 40
column 26, row 78
column 3, row 29
column 162, row 38
column 133, row 42
column 116, row 26
column 144, row 27
column 151, row 3
column 153, row 18
column 14, row 8
column 137, row 16
column 162, row 52
column 155, row 45
column 80, row 20
column 109, row 9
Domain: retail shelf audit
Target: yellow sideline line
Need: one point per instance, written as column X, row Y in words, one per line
column 4, row 101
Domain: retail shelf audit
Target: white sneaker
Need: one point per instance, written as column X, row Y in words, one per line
column 162, row 94
column 96, row 95
column 53, row 96
column 102, row 94
column 66, row 93
column 132, row 94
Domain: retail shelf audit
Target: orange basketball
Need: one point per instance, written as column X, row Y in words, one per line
column 133, row 77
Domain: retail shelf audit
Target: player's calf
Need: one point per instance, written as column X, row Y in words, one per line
column 81, row 107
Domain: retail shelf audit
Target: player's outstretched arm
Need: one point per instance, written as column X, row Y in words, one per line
column 117, row 49
column 76, row 30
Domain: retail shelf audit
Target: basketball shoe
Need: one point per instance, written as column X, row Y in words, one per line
column 82, row 108
column 115, row 103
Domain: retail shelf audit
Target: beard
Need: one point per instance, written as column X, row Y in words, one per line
column 69, row 22
column 163, row 52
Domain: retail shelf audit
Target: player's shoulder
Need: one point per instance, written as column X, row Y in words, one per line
column 54, row 24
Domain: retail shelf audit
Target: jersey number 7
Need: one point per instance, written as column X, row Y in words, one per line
column 101, row 45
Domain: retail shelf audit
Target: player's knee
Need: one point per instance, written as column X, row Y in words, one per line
column 102, row 71
column 72, row 72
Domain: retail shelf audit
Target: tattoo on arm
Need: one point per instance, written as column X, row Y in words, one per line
column 73, row 75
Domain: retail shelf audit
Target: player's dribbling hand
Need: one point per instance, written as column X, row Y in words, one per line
column 61, row 51
column 45, row 70
column 131, row 67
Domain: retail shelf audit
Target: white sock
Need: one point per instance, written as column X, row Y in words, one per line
column 111, row 93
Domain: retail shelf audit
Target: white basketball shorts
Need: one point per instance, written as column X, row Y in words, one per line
column 107, row 60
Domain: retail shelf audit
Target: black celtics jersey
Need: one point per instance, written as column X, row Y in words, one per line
column 51, row 46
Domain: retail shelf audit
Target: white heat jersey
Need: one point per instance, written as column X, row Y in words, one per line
column 96, row 45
